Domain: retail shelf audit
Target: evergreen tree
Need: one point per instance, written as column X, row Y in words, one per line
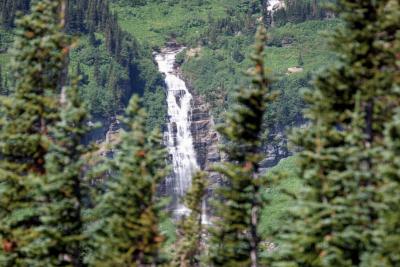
column 189, row 248
column 8, row 10
column 387, row 254
column 96, row 72
column 300, row 60
column 84, row 78
column 61, row 191
column 339, row 219
column 39, row 54
column 128, row 234
column 235, row 238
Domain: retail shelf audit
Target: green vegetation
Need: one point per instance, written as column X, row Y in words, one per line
column 40, row 55
column 336, row 203
column 235, row 238
column 222, row 29
column 189, row 248
column 158, row 21
column 216, row 72
column 128, row 233
column 279, row 203
column 219, row 35
column 62, row 191
column 343, row 217
column 111, row 62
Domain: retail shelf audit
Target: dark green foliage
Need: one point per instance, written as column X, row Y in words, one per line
column 128, row 233
column 235, row 238
column 215, row 73
column 387, row 253
column 121, row 66
column 39, row 53
column 347, row 214
column 8, row 10
column 61, row 191
column 300, row 60
column 296, row 11
column 3, row 89
column 127, row 65
column 189, row 248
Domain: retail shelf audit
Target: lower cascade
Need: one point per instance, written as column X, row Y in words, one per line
column 178, row 137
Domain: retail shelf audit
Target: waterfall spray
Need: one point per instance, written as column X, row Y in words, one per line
column 179, row 136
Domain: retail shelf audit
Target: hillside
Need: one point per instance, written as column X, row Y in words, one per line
column 113, row 55
column 190, row 133
column 111, row 63
column 218, row 36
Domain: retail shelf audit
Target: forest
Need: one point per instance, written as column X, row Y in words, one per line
column 200, row 133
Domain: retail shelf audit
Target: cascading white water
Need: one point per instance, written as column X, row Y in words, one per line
column 273, row 3
column 180, row 140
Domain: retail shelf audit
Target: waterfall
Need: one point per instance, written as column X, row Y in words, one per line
column 179, row 138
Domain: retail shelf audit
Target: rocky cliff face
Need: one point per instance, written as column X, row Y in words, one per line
column 205, row 138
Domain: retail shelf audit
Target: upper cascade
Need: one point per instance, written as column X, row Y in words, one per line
column 179, row 139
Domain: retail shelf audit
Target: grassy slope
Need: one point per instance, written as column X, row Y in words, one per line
column 308, row 41
column 156, row 23
column 274, row 213
column 216, row 74
column 6, row 39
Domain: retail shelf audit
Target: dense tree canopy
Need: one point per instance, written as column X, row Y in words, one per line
column 348, row 211
column 339, row 217
column 40, row 54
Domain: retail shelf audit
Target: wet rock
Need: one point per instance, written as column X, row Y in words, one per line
column 206, row 141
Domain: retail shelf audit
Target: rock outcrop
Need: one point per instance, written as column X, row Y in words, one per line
column 205, row 138
column 205, row 141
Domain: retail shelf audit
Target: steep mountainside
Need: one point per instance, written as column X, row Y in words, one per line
column 113, row 53
column 112, row 64
column 218, row 35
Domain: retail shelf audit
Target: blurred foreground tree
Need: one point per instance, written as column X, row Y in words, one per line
column 348, row 212
column 189, row 246
column 234, row 237
column 62, row 190
column 39, row 57
column 129, row 235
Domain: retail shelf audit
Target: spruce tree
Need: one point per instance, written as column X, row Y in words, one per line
column 128, row 234
column 39, row 54
column 339, row 217
column 235, row 238
column 387, row 235
column 189, row 248
column 61, row 191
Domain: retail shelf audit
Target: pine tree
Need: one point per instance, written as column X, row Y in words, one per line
column 39, row 54
column 128, row 234
column 61, row 191
column 339, row 218
column 96, row 72
column 189, row 248
column 300, row 60
column 387, row 254
column 235, row 238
